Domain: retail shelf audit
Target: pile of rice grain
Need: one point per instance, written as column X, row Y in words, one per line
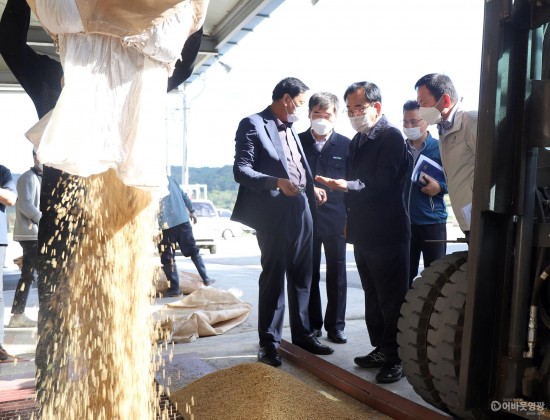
column 102, row 359
column 260, row 392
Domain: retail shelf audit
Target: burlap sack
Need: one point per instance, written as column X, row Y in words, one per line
column 189, row 282
column 131, row 17
column 205, row 312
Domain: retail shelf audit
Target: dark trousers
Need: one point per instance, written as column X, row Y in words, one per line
column 286, row 249
column 421, row 235
column 30, row 265
column 181, row 235
column 384, row 276
column 336, row 283
column 58, row 232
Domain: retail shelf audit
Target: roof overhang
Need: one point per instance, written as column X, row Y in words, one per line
column 227, row 22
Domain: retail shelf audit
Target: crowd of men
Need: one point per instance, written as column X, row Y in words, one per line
column 320, row 190
column 302, row 192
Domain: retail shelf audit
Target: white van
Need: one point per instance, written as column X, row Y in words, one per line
column 208, row 229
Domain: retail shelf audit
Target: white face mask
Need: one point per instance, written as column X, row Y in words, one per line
column 361, row 123
column 412, row 133
column 430, row 114
column 292, row 118
column 296, row 115
column 321, row 126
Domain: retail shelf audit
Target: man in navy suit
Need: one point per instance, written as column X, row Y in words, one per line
column 275, row 196
column 327, row 155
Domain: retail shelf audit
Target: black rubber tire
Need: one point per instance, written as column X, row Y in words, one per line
column 445, row 341
column 413, row 325
column 213, row 249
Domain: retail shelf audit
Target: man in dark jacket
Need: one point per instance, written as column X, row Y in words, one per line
column 276, row 195
column 378, row 223
column 424, row 197
column 327, row 154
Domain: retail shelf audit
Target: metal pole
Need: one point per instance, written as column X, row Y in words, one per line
column 184, row 166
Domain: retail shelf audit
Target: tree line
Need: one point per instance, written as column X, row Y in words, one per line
column 222, row 188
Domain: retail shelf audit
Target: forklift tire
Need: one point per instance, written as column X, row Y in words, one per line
column 445, row 342
column 213, row 249
column 413, row 325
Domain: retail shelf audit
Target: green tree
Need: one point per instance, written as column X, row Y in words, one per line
column 222, row 188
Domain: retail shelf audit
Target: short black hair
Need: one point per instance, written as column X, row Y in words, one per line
column 372, row 92
column 410, row 105
column 324, row 100
column 289, row 85
column 438, row 84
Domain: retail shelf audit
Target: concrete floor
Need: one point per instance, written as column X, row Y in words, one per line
column 207, row 354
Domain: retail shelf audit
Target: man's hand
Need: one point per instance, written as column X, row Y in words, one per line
column 320, row 196
column 289, row 188
column 432, row 187
column 193, row 218
column 333, row 184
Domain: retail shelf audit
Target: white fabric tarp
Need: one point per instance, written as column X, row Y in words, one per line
column 111, row 111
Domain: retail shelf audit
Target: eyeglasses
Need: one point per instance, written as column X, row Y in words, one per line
column 356, row 112
column 411, row 123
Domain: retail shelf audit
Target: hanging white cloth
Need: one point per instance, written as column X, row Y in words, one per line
column 111, row 112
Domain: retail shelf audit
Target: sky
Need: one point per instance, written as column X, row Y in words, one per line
column 328, row 46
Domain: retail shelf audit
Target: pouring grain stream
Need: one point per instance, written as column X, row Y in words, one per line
column 94, row 355
column 101, row 366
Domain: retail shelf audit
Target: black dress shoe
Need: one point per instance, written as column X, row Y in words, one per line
column 269, row 356
column 390, row 373
column 337, row 336
column 375, row 359
column 311, row 344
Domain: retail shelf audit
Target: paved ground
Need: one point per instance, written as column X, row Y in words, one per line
column 236, row 265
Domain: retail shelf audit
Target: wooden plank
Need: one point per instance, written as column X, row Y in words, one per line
column 366, row 392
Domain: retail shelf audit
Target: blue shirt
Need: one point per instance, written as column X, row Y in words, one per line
column 423, row 209
column 174, row 207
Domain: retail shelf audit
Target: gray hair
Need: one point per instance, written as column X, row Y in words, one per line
column 325, row 100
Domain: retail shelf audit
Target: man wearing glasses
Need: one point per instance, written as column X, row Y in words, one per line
column 378, row 224
column 275, row 196
column 424, row 196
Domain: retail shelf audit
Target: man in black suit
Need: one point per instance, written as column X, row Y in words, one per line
column 378, row 223
column 327, row 155
column 275, row 195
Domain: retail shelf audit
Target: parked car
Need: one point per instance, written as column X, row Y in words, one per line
column 224, row 213
column 208, row 228
column 230, row 229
